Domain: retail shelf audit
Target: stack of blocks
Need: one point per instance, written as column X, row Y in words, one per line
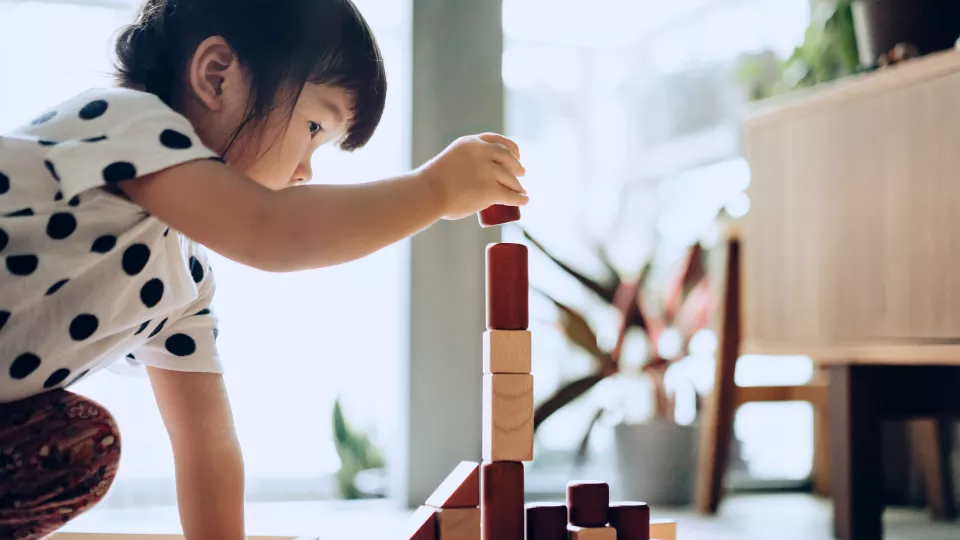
column 485, row 501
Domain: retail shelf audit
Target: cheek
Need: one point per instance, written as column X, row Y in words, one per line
column 270, row 160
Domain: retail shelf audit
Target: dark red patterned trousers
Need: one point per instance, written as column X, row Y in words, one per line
column 59, row 454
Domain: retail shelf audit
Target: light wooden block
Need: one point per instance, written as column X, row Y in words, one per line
column 116, row 536
column 507, row 351
column 663, row 529
column 591, row 533
column 460, row 489
column 458, row 523
column 507, row 417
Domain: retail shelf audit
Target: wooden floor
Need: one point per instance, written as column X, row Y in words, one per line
column 753, row 517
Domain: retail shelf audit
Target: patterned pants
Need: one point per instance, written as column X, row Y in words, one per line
column 58, row 457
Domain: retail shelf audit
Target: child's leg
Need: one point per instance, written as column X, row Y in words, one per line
column 58, row 456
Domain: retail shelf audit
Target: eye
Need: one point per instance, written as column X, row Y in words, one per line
column 315, row 128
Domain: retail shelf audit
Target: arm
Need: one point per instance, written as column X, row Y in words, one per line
column 315, row 226
column 209, row 464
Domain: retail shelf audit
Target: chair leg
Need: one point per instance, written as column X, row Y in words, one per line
column 856, row 460
column 821, row 439
column 930, row 440
column 717, row 423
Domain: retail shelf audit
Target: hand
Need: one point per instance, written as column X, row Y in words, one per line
column 475, row 172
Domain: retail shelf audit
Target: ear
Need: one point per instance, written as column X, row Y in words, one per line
column 214, row 73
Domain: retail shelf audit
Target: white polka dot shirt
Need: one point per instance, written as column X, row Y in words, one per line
column 88, row 277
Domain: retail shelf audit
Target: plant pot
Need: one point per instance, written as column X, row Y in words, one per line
column 656, row 462
column 930, row 25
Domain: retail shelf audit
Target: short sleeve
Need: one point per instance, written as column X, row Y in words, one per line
column 188, row 342
column 118, row 135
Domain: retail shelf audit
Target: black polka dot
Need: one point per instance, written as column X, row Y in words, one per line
column 45, row 142
column 158, row 328
column 83, row 326
column 24, row 365
column 95, row 139
column 58, row 196
column 104, row 244
column 181, row 345
column 216, row 334
column 53, row 170
column 196, row 270
column 4, row 183
column 56, row 287
column 44, row 118
column 151, row 292
column 4, row 239
column 61, row 225
column 131, row 356
column 56, row 378
column 23, row 212
column 118, row 172
column 166, row 232
column 202, row 312
column 4, row 317
column 142, row 328
column 135, row 259
column 94, row 109
column 75, row 201
column 175, row 140
column 22, row 265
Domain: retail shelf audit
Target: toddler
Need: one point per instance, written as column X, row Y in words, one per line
column 109, row 200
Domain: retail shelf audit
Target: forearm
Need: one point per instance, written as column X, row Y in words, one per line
column 319, row 225
column 210, row 490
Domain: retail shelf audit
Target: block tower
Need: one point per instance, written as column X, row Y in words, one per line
column 485, row 501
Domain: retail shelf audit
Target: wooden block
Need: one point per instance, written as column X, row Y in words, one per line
column 458, row 524
column 501, row 500
column 546, row 521
column 630, row 519
column 499, row 214
column 587, row 503
column 507, row 351
column 591, row 533
column 120, row 536
column 461, row 488
column 663, row 529
column 507, row 417
column 422, row 525
column 508, row 287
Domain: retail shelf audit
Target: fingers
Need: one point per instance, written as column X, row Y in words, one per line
column 506, row 158
column 495, row 138
column 509, row 181
column 511, row 198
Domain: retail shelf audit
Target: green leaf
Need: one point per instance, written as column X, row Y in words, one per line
column 563, row 396
column 603, row 289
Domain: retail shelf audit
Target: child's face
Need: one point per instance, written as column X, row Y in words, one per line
column 276, row 155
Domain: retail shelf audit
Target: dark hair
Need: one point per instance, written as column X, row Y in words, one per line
column 284, row 44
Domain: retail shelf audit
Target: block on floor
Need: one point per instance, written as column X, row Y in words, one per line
column 422, row 525
column 502, row 495
column 663, row 529
column 630, row 519
column 118, row 536
column 507, row 351
column 458, row 523
column 546, row 521
column 507, row 417
column 591, row 533
column 460, row 489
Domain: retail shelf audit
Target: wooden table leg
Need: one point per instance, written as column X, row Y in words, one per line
column 856, row 460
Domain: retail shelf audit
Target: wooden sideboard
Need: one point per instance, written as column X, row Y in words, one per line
column 850, row 254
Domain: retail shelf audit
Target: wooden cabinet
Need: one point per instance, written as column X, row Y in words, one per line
column 853, row 238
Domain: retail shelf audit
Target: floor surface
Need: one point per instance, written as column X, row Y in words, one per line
column 747, row 517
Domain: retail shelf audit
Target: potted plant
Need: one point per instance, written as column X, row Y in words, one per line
column 655, row 457
column 359, row 456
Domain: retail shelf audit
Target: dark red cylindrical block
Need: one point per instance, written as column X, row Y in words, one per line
column 588, row 503
column 499, row 214
column 547, row 521
column 631, row 520
column 507, row 287
column 501, row 500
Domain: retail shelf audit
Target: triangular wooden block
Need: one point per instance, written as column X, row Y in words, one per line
column 422, row 524
column 461, row 488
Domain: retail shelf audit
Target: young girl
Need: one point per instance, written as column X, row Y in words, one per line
column 106, row 199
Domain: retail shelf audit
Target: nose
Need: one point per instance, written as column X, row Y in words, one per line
column 303, row 174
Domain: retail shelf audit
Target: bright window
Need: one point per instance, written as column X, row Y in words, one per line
column 291, row 343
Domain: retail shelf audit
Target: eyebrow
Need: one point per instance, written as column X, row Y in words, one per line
column 330, row 106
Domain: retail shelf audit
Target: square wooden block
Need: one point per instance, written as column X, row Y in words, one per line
column 663, row 529
column 507, row 417
column 458, row 523
column 507, row 351
column 591, row 533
